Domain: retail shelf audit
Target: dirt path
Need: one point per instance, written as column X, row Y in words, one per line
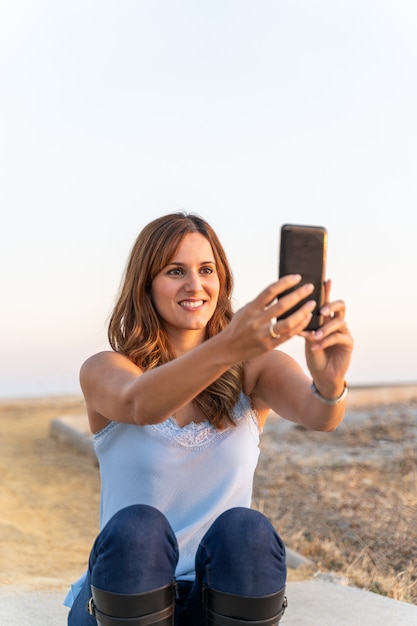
column 48, row 497
column 346, row 499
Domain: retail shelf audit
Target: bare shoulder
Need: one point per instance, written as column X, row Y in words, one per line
column 104, row 360
column 101, row 366
column 102, row 379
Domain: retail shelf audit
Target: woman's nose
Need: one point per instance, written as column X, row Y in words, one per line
column 193, row 282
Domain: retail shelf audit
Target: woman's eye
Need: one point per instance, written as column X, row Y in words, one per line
column 177, row 271
column 206, row 270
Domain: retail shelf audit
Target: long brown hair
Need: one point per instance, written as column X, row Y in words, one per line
column 135, row 329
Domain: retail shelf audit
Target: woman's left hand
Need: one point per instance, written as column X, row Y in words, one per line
column 329, row 349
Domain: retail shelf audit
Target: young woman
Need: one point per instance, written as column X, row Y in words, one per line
column 176, row 410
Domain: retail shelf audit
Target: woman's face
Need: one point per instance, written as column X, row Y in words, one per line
column 185, row 292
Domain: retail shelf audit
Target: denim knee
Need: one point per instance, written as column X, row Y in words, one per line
column 242, row 553
column 136, row 551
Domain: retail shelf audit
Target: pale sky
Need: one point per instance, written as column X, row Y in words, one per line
column 250, row 113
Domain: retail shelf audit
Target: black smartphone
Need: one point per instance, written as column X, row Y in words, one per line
column 303, row 251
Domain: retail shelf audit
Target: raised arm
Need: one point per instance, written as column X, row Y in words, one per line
column 116, row 389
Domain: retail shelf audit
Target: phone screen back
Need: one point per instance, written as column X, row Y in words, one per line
column 303, row 251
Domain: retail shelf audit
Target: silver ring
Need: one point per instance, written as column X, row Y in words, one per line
column 273, row 334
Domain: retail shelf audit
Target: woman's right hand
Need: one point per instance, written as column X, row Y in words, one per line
column 254, row 329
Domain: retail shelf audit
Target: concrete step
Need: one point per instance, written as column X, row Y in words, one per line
column 310, row 603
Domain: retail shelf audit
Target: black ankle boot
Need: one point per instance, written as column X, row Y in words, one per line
column 152, row 608
column 225, row 609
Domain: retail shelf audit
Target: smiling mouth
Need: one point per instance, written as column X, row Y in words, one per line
column 191, row 304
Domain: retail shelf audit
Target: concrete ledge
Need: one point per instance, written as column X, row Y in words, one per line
column 20, row 607
column 310, row 603
column 74, row 430
column 319, row 603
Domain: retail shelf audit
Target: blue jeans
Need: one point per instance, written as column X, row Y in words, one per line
column 137, row 551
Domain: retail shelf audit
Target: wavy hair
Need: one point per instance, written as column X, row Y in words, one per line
column 135, row 329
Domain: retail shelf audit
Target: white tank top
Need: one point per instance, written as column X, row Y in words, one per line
column 191, row 474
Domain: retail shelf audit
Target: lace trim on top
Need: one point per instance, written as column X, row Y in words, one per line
column 197, row 435
column 192, row 435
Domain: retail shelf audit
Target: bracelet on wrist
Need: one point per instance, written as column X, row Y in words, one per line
column 330, row 401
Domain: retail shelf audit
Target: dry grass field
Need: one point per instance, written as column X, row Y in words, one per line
column 347, row 500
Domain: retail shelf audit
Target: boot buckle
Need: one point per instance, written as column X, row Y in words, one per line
column 90, row 607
